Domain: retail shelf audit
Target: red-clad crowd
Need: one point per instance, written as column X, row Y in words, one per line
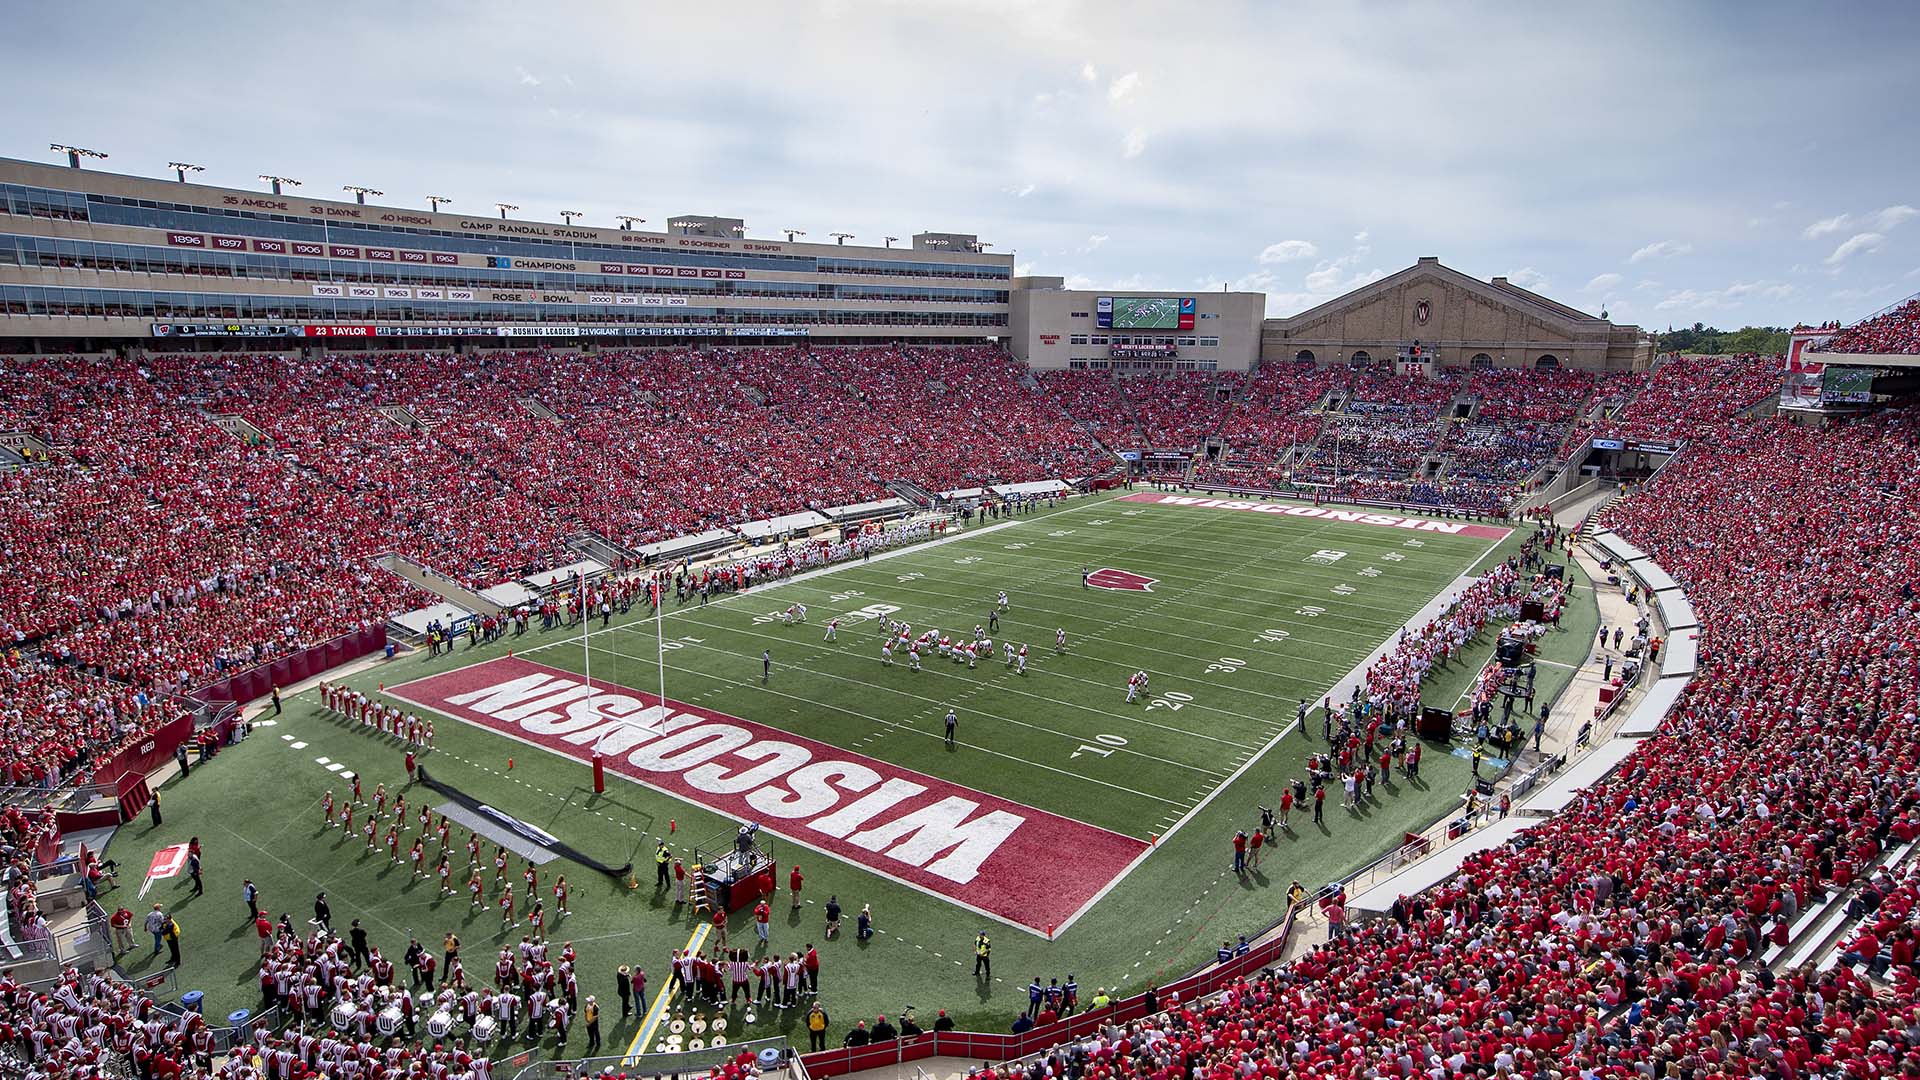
column 1897, row 331
column 198, row 515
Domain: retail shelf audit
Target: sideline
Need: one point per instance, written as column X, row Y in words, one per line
column 822, row 571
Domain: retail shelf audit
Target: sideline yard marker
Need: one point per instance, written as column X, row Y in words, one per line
column 658, row 1010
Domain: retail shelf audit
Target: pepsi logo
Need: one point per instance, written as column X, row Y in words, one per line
column 1124, row 580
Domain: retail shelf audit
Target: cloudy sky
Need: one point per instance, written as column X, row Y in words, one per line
column 1731, row 163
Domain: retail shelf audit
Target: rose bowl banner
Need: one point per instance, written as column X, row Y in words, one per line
column 1026, row 867
column 1328, row 513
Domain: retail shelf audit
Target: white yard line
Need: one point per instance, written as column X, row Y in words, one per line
column 937, row 702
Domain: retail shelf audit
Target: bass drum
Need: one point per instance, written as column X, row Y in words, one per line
column 342, row 1015
column 440, row 1024
column 484, row 1027
column 388, row 1021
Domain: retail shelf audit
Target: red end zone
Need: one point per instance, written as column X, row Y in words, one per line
column 1358, row 516
column 1024, row 866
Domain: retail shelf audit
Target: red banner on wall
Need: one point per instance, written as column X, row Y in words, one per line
column 148, row 754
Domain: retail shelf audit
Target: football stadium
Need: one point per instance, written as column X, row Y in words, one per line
column 467, row 645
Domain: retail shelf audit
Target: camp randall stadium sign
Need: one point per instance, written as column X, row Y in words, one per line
column 1025, row 867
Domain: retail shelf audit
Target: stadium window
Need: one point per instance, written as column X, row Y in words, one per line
column 1480, row 360
column 1304, row 354
column 1361, row 359
column 1547, row 361
column 1185, row 341
column 1209, row 342
column 1100, row 340
column 1077, row 339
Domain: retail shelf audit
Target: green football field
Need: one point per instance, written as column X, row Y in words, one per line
column 1247, row 615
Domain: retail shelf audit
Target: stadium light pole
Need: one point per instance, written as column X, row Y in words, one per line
column 438, row 201
column 628, row 221
column 841, row 237
column 74, row 153
column 738, row 230
column 277, row 181
column 570, row 215
column 890, row 240
column 503, row 208
column 791, row 233
column 181, row 169
column 360, row 193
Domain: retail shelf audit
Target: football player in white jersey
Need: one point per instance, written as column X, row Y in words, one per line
column 1060, row 640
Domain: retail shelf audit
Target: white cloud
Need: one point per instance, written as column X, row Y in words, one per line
column 1855, row 245
column 1701, row 300
column 1892, row 216
column 1130, row 283
column 1093, row 242
column 1089, row 73
column 528, row 78
column 1528, row 278
column 1134, row 144
column 1602, row 282
column 1826, row 225
column 1024, row 269
column 1660, row 249
column 1324, row 280
column 1882, row 220
column 1020, row 191
column 1123, row 87
column 1258, row 281
column 1288, row 251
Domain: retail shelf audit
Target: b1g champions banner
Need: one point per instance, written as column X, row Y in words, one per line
column 1023, row 866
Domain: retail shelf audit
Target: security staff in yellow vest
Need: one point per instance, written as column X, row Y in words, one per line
column 982, row 957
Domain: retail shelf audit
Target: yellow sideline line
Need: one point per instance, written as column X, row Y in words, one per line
column 658, row 1010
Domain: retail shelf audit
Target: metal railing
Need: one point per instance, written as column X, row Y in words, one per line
column 61, row 797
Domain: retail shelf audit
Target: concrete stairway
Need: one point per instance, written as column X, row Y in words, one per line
column 438, row 584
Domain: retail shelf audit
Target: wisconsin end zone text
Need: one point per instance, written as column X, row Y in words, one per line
column 1023, row 866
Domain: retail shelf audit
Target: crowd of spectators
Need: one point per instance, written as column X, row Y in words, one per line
column 1687, row 397
column 1364, row 434
column 1897, row 331
column 57, row 720
column 198, row 515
